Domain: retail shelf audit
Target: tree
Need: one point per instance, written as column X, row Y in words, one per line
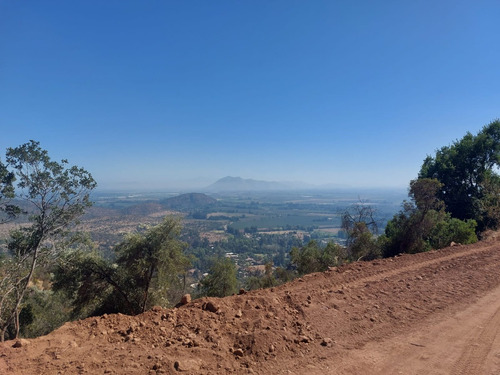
column 423, row 223
column 453, row 230
column 7, row 178
column 147, row 267
column 56, row 196
column 360, row 226
column 221, row 280
column 360, row 212
column 259, row 280
column 490, row 203
column 362, row 244
column 463, row 168
column 152, row 262
column 312, row 258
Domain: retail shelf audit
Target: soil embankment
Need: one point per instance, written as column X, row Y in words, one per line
column 430, row 313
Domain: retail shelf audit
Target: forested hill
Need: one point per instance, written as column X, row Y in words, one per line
column 189, row 201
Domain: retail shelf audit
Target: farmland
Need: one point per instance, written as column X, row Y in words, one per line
column 211, row 219
column 253, row 227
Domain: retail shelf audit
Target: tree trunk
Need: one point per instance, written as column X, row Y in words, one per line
column 20, row 296
column 146, row 290
column 16, row 323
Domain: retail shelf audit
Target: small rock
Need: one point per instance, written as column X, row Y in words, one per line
column 210, row 306
column 187, row 365
column 238, row 314
column 242, row 291
column 129, row 337
column 327, row 341
column 305, row 339
column 186, row 298
column 238, row 352
column 20, row 343
column 157, row 366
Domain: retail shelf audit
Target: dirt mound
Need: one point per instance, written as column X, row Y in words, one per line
column 317, row 324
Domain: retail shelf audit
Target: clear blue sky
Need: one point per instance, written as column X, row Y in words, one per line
column 160, row 94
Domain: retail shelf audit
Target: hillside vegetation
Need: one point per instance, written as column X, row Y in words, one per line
column 48, row 265
column 409, row 314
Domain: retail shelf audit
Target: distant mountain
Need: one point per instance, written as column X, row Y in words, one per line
column 190, row 201
column 240, row 184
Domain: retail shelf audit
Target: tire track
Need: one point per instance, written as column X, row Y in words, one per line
column 424, row 264
column 474, row 354
column 390, row 268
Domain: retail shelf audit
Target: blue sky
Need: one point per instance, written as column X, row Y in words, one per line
column 166, row 94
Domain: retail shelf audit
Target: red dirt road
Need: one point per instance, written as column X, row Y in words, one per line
column 431, row 313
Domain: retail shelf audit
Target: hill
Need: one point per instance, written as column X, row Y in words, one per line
column 436, row 312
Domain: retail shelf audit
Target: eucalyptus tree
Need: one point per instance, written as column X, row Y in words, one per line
column 147, row 267
column 54, row 195
column 7, row 210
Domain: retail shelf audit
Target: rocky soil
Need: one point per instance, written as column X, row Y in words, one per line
column 430, row 313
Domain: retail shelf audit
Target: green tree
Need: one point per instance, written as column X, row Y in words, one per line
column 266, row 280
column 42, row 312
column 360, row 226
column 148, row 266
column 452, row 230
column 463, row 168
column 363, row 245
column 312, row 258
column 7, row 179
column 221, row 280
column 423, row 223
column 56, row 196
column 307, row 258
column 490, row 203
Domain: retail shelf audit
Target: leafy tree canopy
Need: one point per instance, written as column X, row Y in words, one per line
column 463, row 169
column 221, row 280
column 55, row 195
column 147, row 267
column 312, row 258
column 423, row 223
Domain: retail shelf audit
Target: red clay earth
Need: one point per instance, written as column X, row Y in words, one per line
column 429, row 313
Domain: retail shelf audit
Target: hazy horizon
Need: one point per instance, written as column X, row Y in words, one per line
column 203, row 187
column 193, row 184
column 171, row 95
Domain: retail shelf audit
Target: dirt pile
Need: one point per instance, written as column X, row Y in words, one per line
column 315, row 325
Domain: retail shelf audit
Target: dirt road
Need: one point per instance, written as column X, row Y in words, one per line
column 455, row 343
column 431, row 313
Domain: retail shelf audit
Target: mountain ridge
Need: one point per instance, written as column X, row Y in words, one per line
column 230, row 183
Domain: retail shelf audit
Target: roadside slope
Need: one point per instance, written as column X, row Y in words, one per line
column 411, row 314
